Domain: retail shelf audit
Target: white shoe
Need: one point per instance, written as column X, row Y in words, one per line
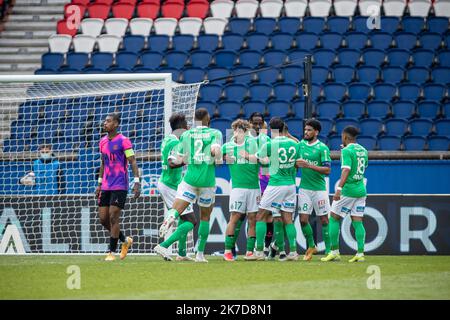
column 167, row 223
column 163, row 252
column 292, row 256
column 259, row 255
column 200, row 258
column 185, row 258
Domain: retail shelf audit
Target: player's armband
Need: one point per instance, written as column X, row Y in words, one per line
column 129, row 153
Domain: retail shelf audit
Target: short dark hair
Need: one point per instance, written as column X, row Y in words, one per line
column 201, row 113
column 276, row 123
column 177, row 121
column 315, row 124
column 351, row 131
column 45, row 144
column 256, row 114
column 115, row 116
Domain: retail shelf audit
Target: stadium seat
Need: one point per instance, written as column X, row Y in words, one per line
column 334, row 91
column 126, row 60
column 355, row 40
column 165, row 26
column 295, row 8
column 211, row 92
column 443, row 127
column 316, row 91
column 297, row 55
column 398, row 57
column 222, row 8
column 414, row 143
column 274, row 57
column 292, row 73
column 108, row 43
column 360, row 24
column 384, row 91
column 59, row 43
column 172, row 9
column 403, row 109
column 278, row 108
column 73, row 8
column 242, row 75
column 225, row 58
column 313, row 24
column 281, row 40
column 123, row 10
column 327, row 126
column 208, row 105
column 328, row 109
column 239, row 25
column 268, row 76
column 215, row 26
column 101, row 60
column 405, row 40
column 271, row 8
column 380, row 40
column 176, row 59
column 151, row 59
column 116, row 26
column 289, row 25
column 430, row 40
column 409, row 91
column 45, row 71
column 246, row 8
column 446, row 109
column 348, row 57
column 441, row 75
column 389, row 143
column 413, row 24
column 148, row 10
column 190, row 26
column 77, row 60
column 235, row 91
column 183, row 42
column 62, row 27
column 371, row 127
column 197, row 8
column 354, row 109
column 438, row 143
column 324, row 57
column 216, row 73
column 232, row 41
column 368, row 74
column 142, row 69
column 254, row 106
column 394, row 7
column 306, row 40
column 417, row 75
column 334, row 142
column 319, row 8
column 250, row 58
column 222, row 125
column 265, row 25
column 295, row 126
column 442, row 8
column 98, row 10
column 260, row 91
column 444, row 57
column 434, row 91
column 229, row 109
column 159, row 43
column 330, row 40
column 298, row 108
column 345, row 8
column 368, row 142
column 52, row 61
column 378, row 109
column 200, row 59
column 420, row 127
column 133, row 43
column 422, row 57
column 343, row 74
column 207, row 42
column 419, row 8
column 83, row 43
column 373, row 57
column 396, row 127
column 255, row 41
column 285, row 91
column 390, row 24
column 91, row 26
column 392, row 74
column 141, row 26
column 428, row 109
column 365, row 7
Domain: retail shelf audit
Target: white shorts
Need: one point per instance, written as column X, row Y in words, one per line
column 244, row 200
column 317, row 200
column 279, row 198
column 168, row 195
column 205, row 196
column 346, row 205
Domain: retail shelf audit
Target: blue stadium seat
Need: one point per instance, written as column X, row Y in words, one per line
column 225, row 58
column 119, row 70
column 409, row 91
column 396, row 127
column 434, row 91
column 330, row 40
column 389, row 143
column 348, row 57
column 260, row 91
column 316, row 91
column 126, row 60
column 292, row 73
column 390, row 24
column 368, row 74
column 414, row 143
column 324, row 57
column 328, row 109
column 176, row 59
column 306, row 40
column 182, row 42
column 413, row 24
column 338, row 24
column 420, row 127
column 359, row 91
column 313, row 24
column 405, row 40
column 77, row 60
column 443, row 127
column 384, row 91
column 254, row 106
column 423, row 57
column 403, row 109
column 355, row 40
column 343, row 73
column 45, row 71
column 319, row 74
column 334, row 91
column 229, row 109
column 298, row 108
column 191, row 75
column 278, row 108
column 428, row 109
column 52, row 61
column 92, row 70
column 430, row 40
column 210, row 92
column 268, row 76
column 235, row 91
column 133, row 43
column 295, row 126
column 373, row 57
column 151, row 59
column 368, row 142
column 216, row 73
column 417, row 75
column 441, row 75
column 69, row 71
column 327, row 126
column 447, row 40
column 274, row 57
column 371, row 127
column 380, row 40
column 398, row 57
column 200, row 59
column 446, row 110
column 158, row 42
column 334, row 142
column 289, row 24
column 232, row 41
column 208, row 105
column 392, row 74
column 239, row 25
column 250, row 58
column 438, row 143
column 353, row 109
column 265, row 25
column 243, row 75
column 257, row 41
column 102, row 60
column 437, row 24
column 208, row 42
column 360, row 24
column 281, row 40
column 175, row 72
column 285, row 91
column 378, row 109
column 444, row 57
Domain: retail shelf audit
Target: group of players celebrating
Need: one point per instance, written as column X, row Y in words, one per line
column 263, row 173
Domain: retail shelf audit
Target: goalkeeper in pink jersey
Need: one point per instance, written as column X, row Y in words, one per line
column 116, row 151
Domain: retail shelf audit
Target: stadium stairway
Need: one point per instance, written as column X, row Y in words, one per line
column 25, row 36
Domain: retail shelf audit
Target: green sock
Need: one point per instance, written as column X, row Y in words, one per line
column 237, row 229
column 334, row 228
column 278, row 230
column 182, row 241
column 229, row 242
column 181, row 231
column 173, row 212
column 360, row 234
column 203, row 233
column 308, row 233
column 251, row 243
column 326, row 237
column 291, row 235
column 261, row 230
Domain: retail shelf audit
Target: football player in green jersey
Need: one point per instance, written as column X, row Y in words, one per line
column 171, row 177
column 315, row 165
column 350, row 196
column 199, row 148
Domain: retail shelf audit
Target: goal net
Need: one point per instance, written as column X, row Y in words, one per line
column 51, row 126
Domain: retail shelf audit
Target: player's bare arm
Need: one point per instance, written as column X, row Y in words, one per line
column 344, row 175
column 100, row 174
column 300, row 163
column 137, row 184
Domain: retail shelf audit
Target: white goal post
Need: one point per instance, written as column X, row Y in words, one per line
column 47, row 203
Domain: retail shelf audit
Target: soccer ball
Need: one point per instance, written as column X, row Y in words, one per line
column 29, row 179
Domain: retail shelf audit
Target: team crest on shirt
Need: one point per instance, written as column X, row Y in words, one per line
column 115, row 147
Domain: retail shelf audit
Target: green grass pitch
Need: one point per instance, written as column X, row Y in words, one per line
column 149, row 277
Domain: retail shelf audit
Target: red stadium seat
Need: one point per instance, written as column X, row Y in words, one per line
column 133, row 2
column 123, row 10
column 62, row 28
column 70, row 9
column 172, row 9
column 158, row 2
column 83, row 2
column 108, row 2
column 197, row 9
column 148, row 10
column 99, row 10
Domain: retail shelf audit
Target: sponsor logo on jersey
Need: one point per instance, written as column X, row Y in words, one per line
column 289, row 205
column 275, row 205
column 205, row 200
column 189, row 195
column 360, row 209
column 345, row 210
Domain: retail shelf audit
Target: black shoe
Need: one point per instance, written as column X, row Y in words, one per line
column 272, row 252
column 233, row 251
column 282, row 257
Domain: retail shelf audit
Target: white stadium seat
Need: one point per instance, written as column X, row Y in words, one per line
column 442, row 8
column 246, row 8
column 222, row 8
column 320, row 8
column 215, row 25
column 345, row 8
column 59, row 43
column 116, row 26
column 165, row 26
column 92, row 26
column 419, row 8
column 83, row 43
column 295, row 8
column 141, row 26
column 271, row 8
column 365, row 7
column 190, row 26
column 108, row 43
column 394, row 8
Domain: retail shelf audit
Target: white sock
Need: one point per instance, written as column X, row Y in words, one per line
column 360, row 254
column 227, row 251
column 335, row 252
column 200, row 255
